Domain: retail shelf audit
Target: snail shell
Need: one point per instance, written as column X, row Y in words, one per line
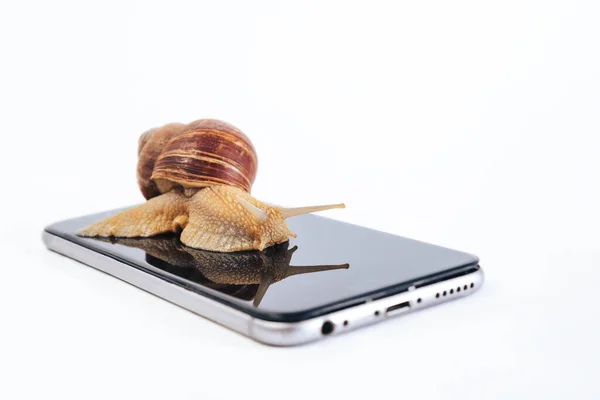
column 203, row 153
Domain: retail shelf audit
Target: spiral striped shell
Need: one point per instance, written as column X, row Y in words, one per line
column 203, row 153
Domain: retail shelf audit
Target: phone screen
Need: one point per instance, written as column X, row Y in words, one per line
column 329, row 266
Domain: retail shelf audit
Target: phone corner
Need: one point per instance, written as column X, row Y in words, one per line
column 284, row 334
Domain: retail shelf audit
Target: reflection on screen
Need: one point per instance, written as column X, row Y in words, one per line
column 246, row 275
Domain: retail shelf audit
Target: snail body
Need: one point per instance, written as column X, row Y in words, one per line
column 197, row 179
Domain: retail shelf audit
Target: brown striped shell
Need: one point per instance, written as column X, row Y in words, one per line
column 203, row 153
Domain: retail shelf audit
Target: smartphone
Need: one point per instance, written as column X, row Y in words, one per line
column 333, row 278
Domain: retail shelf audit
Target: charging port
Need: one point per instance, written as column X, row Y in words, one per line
column 398, row 308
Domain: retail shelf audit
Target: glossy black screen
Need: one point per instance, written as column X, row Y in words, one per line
column 331, row 265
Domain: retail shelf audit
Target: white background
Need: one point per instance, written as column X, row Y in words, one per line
column 473, row 125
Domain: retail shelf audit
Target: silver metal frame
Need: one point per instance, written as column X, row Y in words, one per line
column 270, row 332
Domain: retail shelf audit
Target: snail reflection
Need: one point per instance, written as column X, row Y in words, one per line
column 246, row 275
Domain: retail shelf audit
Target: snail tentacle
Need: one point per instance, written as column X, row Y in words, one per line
column 292, row 212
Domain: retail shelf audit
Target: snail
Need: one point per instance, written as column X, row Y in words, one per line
column 197, row 180
column 246, row 274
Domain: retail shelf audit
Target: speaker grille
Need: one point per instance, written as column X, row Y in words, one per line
column 452, row 290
